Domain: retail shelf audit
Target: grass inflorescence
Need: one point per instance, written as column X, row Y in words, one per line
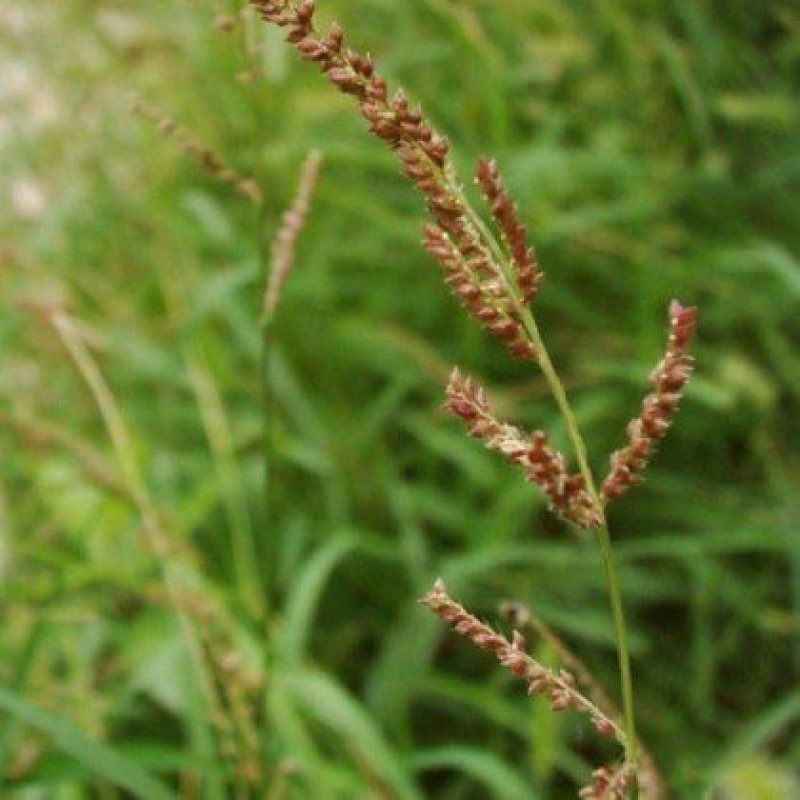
column 171, row 628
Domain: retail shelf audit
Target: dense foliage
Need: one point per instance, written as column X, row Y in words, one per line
column 654, row 149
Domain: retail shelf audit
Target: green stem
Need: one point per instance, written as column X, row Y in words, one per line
column 267, row 427
column 603, row 537
column 562, row 401
column 623, row 656
column 576, row 438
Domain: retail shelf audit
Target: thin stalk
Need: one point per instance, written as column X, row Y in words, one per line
column 268, row 423
column 603, row 537
column 155, row 536
column 576, row 438
column 562, row 401
column 276, row 262
column 623, row 656
column 223, row 452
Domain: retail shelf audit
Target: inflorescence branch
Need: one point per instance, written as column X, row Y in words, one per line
column 542, row 465
column 285, row 242
column 668, row 380
column 559, row 686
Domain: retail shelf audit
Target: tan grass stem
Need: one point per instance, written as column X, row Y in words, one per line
column 206, row 158
column 124, row 451
column 284, row 245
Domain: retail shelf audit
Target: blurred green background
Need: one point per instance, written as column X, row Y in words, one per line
column 172, row 626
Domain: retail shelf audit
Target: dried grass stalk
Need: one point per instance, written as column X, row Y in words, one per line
column 285, row 243
column 206, row 158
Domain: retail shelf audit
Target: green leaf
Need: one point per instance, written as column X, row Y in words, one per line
column 504, row 783
column 98, row 758
column 306, row 593
column 326, row 701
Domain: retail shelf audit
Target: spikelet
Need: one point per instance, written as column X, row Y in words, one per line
column 559, row 686
column 206, row 158
column 668, row 380
column 542, row 465
column 514, row 233
column 473, row 280
column 608, row 784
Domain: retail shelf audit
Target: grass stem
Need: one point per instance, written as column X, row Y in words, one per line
column 576, row 438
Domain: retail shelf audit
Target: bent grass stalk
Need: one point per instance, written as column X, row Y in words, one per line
column 495, row 277
column 124, row 451
column 206, row 631
column 277, row 262
column 211, row 406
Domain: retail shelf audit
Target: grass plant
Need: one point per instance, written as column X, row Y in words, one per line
column 277, row 649
column 496, row 278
